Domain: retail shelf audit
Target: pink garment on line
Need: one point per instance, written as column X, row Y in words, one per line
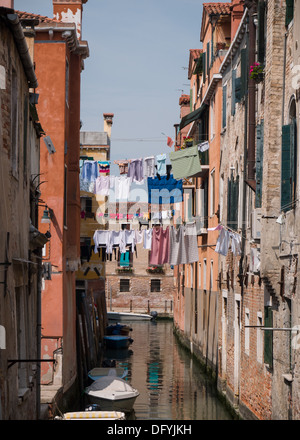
column 160, row 247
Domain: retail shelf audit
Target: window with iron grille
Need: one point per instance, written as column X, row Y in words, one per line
column 124, row 285
column 155, row 285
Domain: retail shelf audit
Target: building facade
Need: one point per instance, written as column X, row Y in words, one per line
column 21, row 241
column 59, row 54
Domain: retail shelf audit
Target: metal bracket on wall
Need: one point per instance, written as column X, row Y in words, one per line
column 12, row 362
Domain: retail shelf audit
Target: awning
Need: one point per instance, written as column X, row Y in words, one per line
column 193, row 116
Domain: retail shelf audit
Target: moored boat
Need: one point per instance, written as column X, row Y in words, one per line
column 118, row 329
column 98, row 372
column 124, row 316
column 93, row 415
column 117, row 341
column 112, row 394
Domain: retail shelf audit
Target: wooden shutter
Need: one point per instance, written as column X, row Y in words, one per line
column 212, row 48
column 286, row 175
column 237, row 89
column 191, row 100
column 204, row 66
column 268, row 337
column 244, row 72
column 224, row 106
column 232, row 202
column 233, row 77
column 289, row 12
column 259, row 163
column 207, row 52
column 261, row 32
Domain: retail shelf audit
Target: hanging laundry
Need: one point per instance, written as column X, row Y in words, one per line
column 136, row 171
column 125, row 259
column 147, row 238
column 102, row 185
column 185, row 163
column 169, row 142
column 123, row 166
column 149, row 166
column 161, row 164
column 122, row 187
column 223, row 242
column 104, row 166
column 164, row 190
column 183, row 245
column 203, row 146
column 159, row 253
column 101, row 238
column 88, row 175
column 235, row 243
column 138, row 236
column 216, row 228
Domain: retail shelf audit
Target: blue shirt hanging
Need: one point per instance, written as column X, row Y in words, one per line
column 164, row 190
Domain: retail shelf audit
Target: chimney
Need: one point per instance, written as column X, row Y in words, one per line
column 69, row 11
column 7, row 4
column 108, row 121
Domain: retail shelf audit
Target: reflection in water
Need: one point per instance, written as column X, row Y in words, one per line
column 170, row 381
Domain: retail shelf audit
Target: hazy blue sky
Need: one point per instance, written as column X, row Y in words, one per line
column 139, row 53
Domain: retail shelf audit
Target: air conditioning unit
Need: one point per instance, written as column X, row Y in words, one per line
column 256, row 224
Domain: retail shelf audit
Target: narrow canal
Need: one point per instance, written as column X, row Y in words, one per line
column 169, row 380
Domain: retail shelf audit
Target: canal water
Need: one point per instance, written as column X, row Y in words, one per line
column 169, row 380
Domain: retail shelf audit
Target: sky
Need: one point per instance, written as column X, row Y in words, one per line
column 137, row 68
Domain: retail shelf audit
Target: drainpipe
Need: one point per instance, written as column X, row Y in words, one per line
column 251, row 97
column 22, row 46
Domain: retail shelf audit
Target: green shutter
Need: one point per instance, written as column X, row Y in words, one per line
column 207, row 53
column 244, row 72
column 286, row 175
column 268, row 337
column 233, row 77
column 289, row 12
column 224, row 106
column 204, row 66
column 259, row 163
column 232, row 202
column 212, row 48
column 261, row 32
column 237, row 89
column 191, row 100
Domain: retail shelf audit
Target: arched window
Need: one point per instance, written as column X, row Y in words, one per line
column 289, row 160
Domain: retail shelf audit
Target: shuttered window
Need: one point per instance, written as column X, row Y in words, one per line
column 289, row 12
column 232, row 202
column 224, row 106
column 208, row 59
column 288, row 166
column 244, row 71
column 268, row 337
column 259, row 163
column 261, row 32
column 233, row 78
column 204, row 66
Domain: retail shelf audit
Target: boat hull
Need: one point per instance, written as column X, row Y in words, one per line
column 123, row 316
column 94, row 415
column 117, row 341
column 124, row 405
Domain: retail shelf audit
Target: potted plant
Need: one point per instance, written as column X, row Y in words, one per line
column 155, row 269
column 257, row 72
column 187, row 142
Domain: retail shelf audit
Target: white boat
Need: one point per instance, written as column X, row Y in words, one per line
column 98, row 372
column 128, row 316
column 93, row 415
column 112, row 394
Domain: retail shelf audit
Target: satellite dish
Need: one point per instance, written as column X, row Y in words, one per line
column 49, row 144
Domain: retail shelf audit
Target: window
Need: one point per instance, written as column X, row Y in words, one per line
column 261, row 44
column 259, row 163
column 289, row 161
column 124, row 285
column 189, row 203
column 25, row 135
column 204, row 274
column 224, row 103
column 192, row 276
column 211, row 275
column 232, row 202
column 259, row 342
column 247, row 331
column 14, row 124
column 289, row 12
column 155, row 285
column 212, row 117
column 212, row 192
column 199, row 276
column 268, row 337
